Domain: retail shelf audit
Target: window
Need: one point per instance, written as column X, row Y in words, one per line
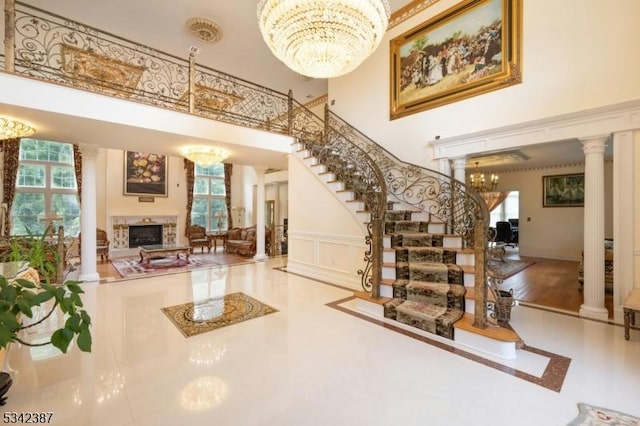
column 45, row 186
column 508, row 209
column 209, row 206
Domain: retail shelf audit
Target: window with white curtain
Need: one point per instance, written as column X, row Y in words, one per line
column 508, row 209
column 45, row 187
column 209, row 206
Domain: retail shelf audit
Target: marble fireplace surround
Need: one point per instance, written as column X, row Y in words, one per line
column 120, row 225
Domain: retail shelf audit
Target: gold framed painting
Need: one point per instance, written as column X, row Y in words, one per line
column 563, row 190
column 145, row 174
column 468, row 50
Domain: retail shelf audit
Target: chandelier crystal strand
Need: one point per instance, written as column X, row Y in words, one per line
column 205, row 156
column 10, row 129
column 323, row 38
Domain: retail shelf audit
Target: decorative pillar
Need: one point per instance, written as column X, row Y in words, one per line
column 260, row 254
column 459, row 169
column 593, row 306
column 444, row 166
column 88, row 222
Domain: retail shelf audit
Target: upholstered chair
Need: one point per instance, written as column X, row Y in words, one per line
column 197, row 236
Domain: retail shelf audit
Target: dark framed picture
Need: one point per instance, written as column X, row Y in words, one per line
column 470, row 49
column 145, row 174
column 563, row 190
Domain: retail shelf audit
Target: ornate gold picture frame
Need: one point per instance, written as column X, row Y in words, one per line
column 470, row 49
column 145, row 174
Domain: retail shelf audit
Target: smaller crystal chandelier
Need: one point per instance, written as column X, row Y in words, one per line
column 205, row 156
column 478, row 182
column 10, row 129
column 323, row 38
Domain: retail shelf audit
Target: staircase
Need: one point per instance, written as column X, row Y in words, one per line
column 427, row 273
column 428, row 285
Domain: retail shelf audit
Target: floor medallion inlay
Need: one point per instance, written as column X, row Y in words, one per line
column 203, row 316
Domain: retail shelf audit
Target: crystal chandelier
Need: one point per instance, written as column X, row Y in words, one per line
column 323, row 38
column 205, row 156
column 10, row 129
column 479, row 183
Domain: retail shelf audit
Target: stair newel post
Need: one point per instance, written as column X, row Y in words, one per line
column 9, row 35
column 192, row 79
column 479, row 244
column 290, row 112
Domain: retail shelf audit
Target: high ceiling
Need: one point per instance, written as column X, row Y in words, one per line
column 161, row 24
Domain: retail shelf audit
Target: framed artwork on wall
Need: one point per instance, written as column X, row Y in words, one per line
column 145, row 174
column 470, row 49
column 563, row 190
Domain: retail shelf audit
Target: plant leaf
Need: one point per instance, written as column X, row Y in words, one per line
column 4, row 305
column 59, row 340
column 85, row 317
column 9, row 320
column 84, row 340
column 25, row 283
column 9, row 293
column 74, row 288
column 6, row 336
column 41, row 297
column 24, row 307
column 73, row 322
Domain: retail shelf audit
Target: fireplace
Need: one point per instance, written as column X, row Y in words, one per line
column 144, row 235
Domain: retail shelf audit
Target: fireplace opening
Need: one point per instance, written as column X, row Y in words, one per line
column 144, row 235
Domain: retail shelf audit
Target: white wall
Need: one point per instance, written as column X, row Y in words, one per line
column 115, row 203
column 325, row 240
column 552, row 232
column 577, row 54
column 243, row 179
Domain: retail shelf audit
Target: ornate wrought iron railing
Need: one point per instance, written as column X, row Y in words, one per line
column 49, row 47
column 45, row 46
column 439, row 195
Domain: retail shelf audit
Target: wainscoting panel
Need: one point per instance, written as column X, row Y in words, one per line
column 332, row 258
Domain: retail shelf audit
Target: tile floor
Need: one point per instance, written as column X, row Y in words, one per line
column 308, row 364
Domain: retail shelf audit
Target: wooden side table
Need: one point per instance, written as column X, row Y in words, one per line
column 215, row 236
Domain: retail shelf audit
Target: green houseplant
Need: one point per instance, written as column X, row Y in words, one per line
column 22, row 298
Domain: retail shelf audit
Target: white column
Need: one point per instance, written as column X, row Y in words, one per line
column 459, row 169
column 88, row 222
column 260, row 254
column 624, row 200
column 444, row 166
column 593, row 306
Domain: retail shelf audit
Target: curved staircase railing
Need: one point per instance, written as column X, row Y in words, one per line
column 439, row 195
column 45, row 46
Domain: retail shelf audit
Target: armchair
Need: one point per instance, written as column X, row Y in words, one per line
column 197, row 236
column 102, row 244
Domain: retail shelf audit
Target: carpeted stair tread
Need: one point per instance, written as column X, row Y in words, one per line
column 434, row 319
column 416, row 239
column 438, row 294
column 430, row 272
column 425, row 254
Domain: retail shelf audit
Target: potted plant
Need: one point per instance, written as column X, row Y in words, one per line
column 22, row 298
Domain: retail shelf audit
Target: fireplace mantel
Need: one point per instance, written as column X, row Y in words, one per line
column 120, row 228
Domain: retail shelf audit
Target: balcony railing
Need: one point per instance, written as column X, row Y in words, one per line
column 45, row 46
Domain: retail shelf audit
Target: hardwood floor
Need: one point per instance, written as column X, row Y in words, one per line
column 550, row 283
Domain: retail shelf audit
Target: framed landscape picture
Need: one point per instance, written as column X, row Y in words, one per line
column 145, row 174
column 470, row 49
column 563, row 190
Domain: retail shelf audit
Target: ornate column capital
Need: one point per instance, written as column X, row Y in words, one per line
column 594, row 145
column 459, row 163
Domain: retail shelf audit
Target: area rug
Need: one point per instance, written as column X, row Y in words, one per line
column 509, row 267
column 201, row 317
column 596, row 416
column 132, row 268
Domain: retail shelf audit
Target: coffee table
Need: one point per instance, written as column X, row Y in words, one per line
column 156, row 251
column 215, row 236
